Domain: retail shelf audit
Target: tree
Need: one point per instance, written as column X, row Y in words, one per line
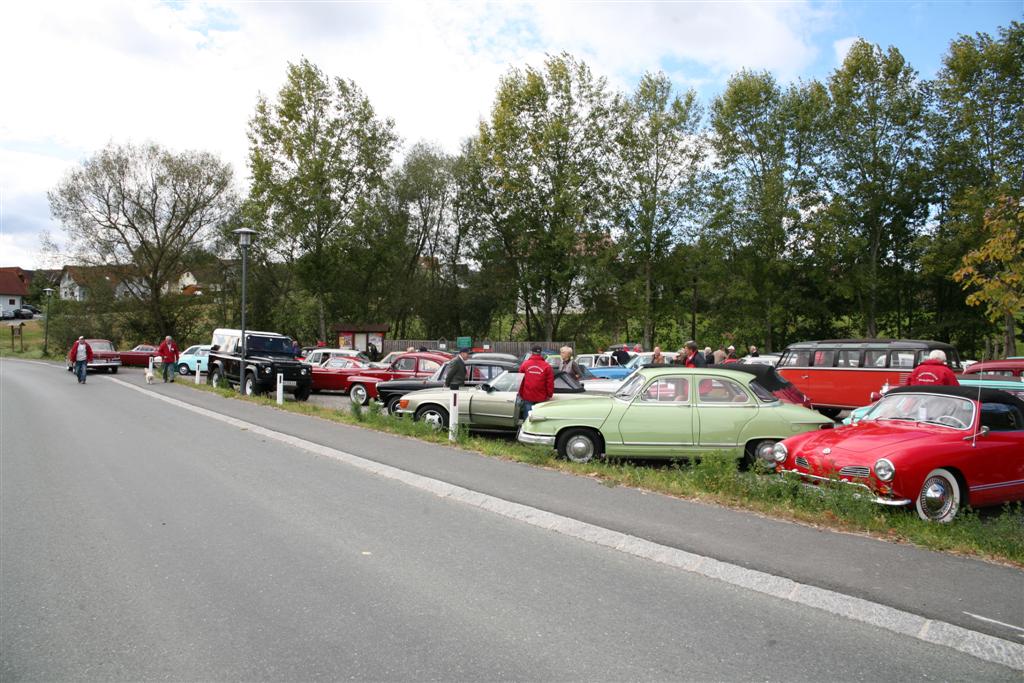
column 875, row 168
column 659, row 155
column 145, row 211
column 540, row 196
column 315, row 155
column 996, row 269
column 767, row 142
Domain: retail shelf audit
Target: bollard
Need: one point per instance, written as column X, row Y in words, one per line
column 197, row 371
column 280, row 388
column 453, row 416
column 151, row 365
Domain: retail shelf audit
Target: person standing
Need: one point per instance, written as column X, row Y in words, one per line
column 693, row 358
column 169, row 354
column 538, row 381
column 457, row 371
column 730, row 356
column 621, row 355
column 296, row 349
column 720, row 355
column 569, row 363
column 657, row 358
column 753, row 351
column 81, row 355
column 933, row 370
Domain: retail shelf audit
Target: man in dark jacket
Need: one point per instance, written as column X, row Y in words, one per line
column 538, row 381
column 456, row 376
column 693, row 358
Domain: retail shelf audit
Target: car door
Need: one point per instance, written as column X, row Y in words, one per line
column 724, row 407
column 659, row 420
column 496, row 408
column 995, row 468
column 427, row 367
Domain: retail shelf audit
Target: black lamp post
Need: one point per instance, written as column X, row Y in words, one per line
column 46, row 326
column 244, row 240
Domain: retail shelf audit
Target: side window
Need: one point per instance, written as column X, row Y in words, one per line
column 203, row 352
column 874, row 358
column 901, row 359
column 824, row 358
column 721, row 390
column 585, row 361
column 667, row 390
column 848, row 358
column 427, row 365
column 762, row 394
column 405, row 364
column 795, row 359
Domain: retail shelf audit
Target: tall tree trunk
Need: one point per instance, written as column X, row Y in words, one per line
column 320, row 317
column 1011, row 337
column 648, row 330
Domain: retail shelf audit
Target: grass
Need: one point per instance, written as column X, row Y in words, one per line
column 31, row 345
column 714, row 478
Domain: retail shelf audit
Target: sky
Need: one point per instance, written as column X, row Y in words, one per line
column 79, row 75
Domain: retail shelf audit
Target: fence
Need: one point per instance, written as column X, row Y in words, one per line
column 516, row 348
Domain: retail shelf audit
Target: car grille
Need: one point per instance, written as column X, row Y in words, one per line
column 802, row 462
column 854, row 471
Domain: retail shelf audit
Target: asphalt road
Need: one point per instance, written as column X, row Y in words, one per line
column 141, row 541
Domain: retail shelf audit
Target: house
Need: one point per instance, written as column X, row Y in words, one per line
column 76, row 281
column 14, row 284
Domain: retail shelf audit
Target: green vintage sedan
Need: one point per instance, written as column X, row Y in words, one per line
column 490, row 407
column 671, row 412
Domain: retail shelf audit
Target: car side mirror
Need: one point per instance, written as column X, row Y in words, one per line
column 981, row 433
column 215, row 347
column 487, row 387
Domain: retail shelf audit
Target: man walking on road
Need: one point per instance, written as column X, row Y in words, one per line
column 80, row 354
column 169, row 354
column 538, row 380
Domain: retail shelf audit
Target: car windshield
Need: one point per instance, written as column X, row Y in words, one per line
column 506, row 381
column 190, row 351
column 948, row 411
column 101, row 346
column 639, row 359
column 261, row 344
column 630, row 386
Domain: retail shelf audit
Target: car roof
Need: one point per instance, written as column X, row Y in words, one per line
column 868, row 342
column 1005, row 364
column 973, row 393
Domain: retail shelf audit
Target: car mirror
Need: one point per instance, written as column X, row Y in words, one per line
column 215, row 347
column 981, row 433
column 487, row 387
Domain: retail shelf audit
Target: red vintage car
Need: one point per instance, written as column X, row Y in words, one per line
column 139, row 356
column 937, row 448
column 332, row 373
column 362, row 386
column 104, row 356
column 1008, row 368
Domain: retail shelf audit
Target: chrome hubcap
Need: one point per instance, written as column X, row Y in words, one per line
column 358, row 395
column 433, row 419
column 580, row 449
column 936, row 497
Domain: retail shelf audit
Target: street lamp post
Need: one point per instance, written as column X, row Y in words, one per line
column 244, row 240
column 46, row 326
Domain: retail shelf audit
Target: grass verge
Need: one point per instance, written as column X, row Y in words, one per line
column 991, row 535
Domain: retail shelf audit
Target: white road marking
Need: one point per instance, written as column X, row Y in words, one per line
column 980, row 645
column 995, row 621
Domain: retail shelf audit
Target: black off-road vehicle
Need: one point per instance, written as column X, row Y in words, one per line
column 266, row 355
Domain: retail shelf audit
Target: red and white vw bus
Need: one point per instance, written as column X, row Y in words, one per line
column 841, row 374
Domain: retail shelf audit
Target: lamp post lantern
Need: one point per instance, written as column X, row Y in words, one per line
column 244, row 240
column 46, row 326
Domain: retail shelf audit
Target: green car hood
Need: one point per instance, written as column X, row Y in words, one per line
column 591, row 410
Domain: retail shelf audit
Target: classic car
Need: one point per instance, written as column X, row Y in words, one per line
column 319, row 356
column 937, row 448
column 194, row 356
column 139, row 356
column 492, row 406
column 771, row 359
column 331, row 373
column 361, row 383
column 672, row 412
column 478, row 371
column 597, row 360
column 638, row 361
column 104, row 357
column 1009, row 385
column 1008, row 368
column 24, row 312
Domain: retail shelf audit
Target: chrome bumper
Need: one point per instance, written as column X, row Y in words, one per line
column 892, row 502
column 536, row 439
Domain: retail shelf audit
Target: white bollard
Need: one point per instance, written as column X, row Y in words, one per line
column 197, row 372
column 453, row 416
column 151, row 365
column 280, row 388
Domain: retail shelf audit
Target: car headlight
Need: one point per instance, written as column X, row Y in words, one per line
column 884, row 469
column 780, row 452
column 302, row 371
column 266, row 371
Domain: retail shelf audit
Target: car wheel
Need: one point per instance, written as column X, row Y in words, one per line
column 758, row 451
column 113, row 371
column 213, row 379
column 183, row 370
column 578, row 445
column 392, row 405
column 940, row 497
column 250, row 385
column 301, row 394
column 358, row 394
column 435, row 416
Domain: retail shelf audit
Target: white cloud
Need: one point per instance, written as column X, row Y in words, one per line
column 842, row 47
column 79, row 75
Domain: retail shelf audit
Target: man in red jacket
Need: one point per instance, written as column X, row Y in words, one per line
column 538, row 381
column 80, row 355
column 169, row 354
column 933, row 370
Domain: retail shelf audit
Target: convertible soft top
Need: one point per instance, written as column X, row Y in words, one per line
column 973, row 393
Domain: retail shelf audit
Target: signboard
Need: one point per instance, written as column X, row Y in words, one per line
column 464, row 342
